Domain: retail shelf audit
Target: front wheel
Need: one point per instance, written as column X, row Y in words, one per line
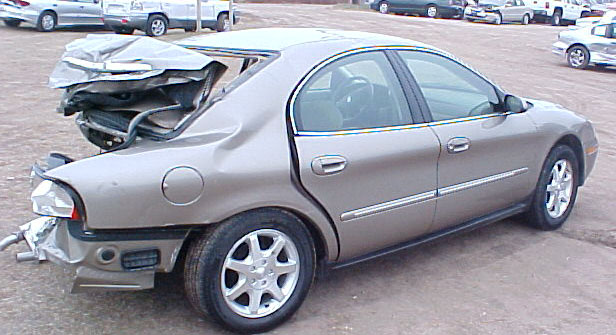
column 526, row 19
column 556, row 190
column 157, row 26
column 253, row 271
column 432, row 11
column 578, row 57
column 499, row 19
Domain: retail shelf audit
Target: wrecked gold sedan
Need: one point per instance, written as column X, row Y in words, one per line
column 329, row 148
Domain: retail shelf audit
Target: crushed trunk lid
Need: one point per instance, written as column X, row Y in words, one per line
column 122, row 87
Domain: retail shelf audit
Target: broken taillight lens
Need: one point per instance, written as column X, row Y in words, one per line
column 50, row 199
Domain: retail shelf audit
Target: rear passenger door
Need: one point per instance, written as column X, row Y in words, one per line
column 486, row 153
column 361, row 156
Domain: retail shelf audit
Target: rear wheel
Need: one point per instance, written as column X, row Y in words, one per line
column 432, row 11
column 499, row 19
column 556, row 190
column 157, row 25
column 222, row 23
column 526, row 19
column 47, row 21
column 557, row 18
column 12, row 23
column 384, row 7
column 252, row 272
column 578, row 57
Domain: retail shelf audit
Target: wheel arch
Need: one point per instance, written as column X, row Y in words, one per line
column 577, row 45
column 575, row 144
column 222, row 12
column 161, row 14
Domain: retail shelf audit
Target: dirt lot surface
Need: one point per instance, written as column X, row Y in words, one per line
column 503, row 279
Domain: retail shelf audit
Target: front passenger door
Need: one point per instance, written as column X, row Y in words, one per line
column 486, row 154
column 361, row 156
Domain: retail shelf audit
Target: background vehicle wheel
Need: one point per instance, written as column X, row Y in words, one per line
column 222, row 23
column 556, row 190
column 47, row 21
column 251, row 272
column 578, row 57
column 384, row 7
column 526, row 19
column 12, row 23
column 557, row 18
column 156, row 26
column 432, row 11
column 123, row 30
column 499, row 19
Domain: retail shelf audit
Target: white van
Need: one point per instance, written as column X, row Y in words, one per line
column 154, row 17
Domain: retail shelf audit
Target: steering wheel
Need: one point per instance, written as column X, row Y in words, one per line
column 348, row 89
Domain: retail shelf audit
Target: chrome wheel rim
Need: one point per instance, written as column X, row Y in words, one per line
column 557, row 20
column 577, row 57
column 559, row 188
column 226, row 25
column 498, row 20
column 260, row 273
column 48, row 22
column 432, row 11
column 383, row 8
column 158, row 27
column 525, row 19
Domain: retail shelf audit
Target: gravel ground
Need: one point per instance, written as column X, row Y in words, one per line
column 502, row 279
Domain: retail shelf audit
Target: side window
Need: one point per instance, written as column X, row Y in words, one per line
column 450, row 89
column 600, row 30
column 354, row 92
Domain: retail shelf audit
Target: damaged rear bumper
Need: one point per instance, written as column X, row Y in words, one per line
column 112, row 261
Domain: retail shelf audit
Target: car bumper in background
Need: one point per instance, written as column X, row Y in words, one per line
column 482, row 16
column 8, row 12
column 560, row 48
column 132, row 20
column 451, row 11
column 117, row 261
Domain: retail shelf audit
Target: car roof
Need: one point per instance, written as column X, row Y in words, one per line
column 279, row 39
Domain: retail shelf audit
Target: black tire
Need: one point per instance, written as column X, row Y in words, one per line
column 525, row 19
column 384, row 7
column 574, row 53
column 538, row 213
column 557, row 18
column 43, row 23
column 123, row 30
column 206, row 256
column 220, row 22
column 12, row 23
column 432, row 11
column 157, row 25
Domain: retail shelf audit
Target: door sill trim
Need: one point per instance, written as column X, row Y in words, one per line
column 461, row 228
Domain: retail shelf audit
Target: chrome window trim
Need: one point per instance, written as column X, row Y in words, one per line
column 403, row 127
column 338, row 56
column 424, row 196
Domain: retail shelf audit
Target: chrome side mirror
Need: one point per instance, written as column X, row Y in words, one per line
column 515, row 104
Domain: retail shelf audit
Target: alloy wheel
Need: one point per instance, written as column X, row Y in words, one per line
column 260, row 273
column 384, row 8
column 48, row 22
column 559, row 189
column 431, row 11
column 577, row 58
column 158, row 27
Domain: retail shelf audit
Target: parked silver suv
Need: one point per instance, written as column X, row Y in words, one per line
column 329, row 148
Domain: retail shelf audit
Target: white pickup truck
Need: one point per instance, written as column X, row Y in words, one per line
column 558, row 11
column 154, row 17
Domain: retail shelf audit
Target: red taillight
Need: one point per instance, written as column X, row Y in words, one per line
column 547, row 5
column 22, row 3
column 75, row 214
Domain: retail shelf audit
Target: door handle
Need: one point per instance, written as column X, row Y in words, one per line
column 458, row 144
column 329, row 164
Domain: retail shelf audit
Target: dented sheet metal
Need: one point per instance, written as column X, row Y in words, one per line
column 109, row 53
